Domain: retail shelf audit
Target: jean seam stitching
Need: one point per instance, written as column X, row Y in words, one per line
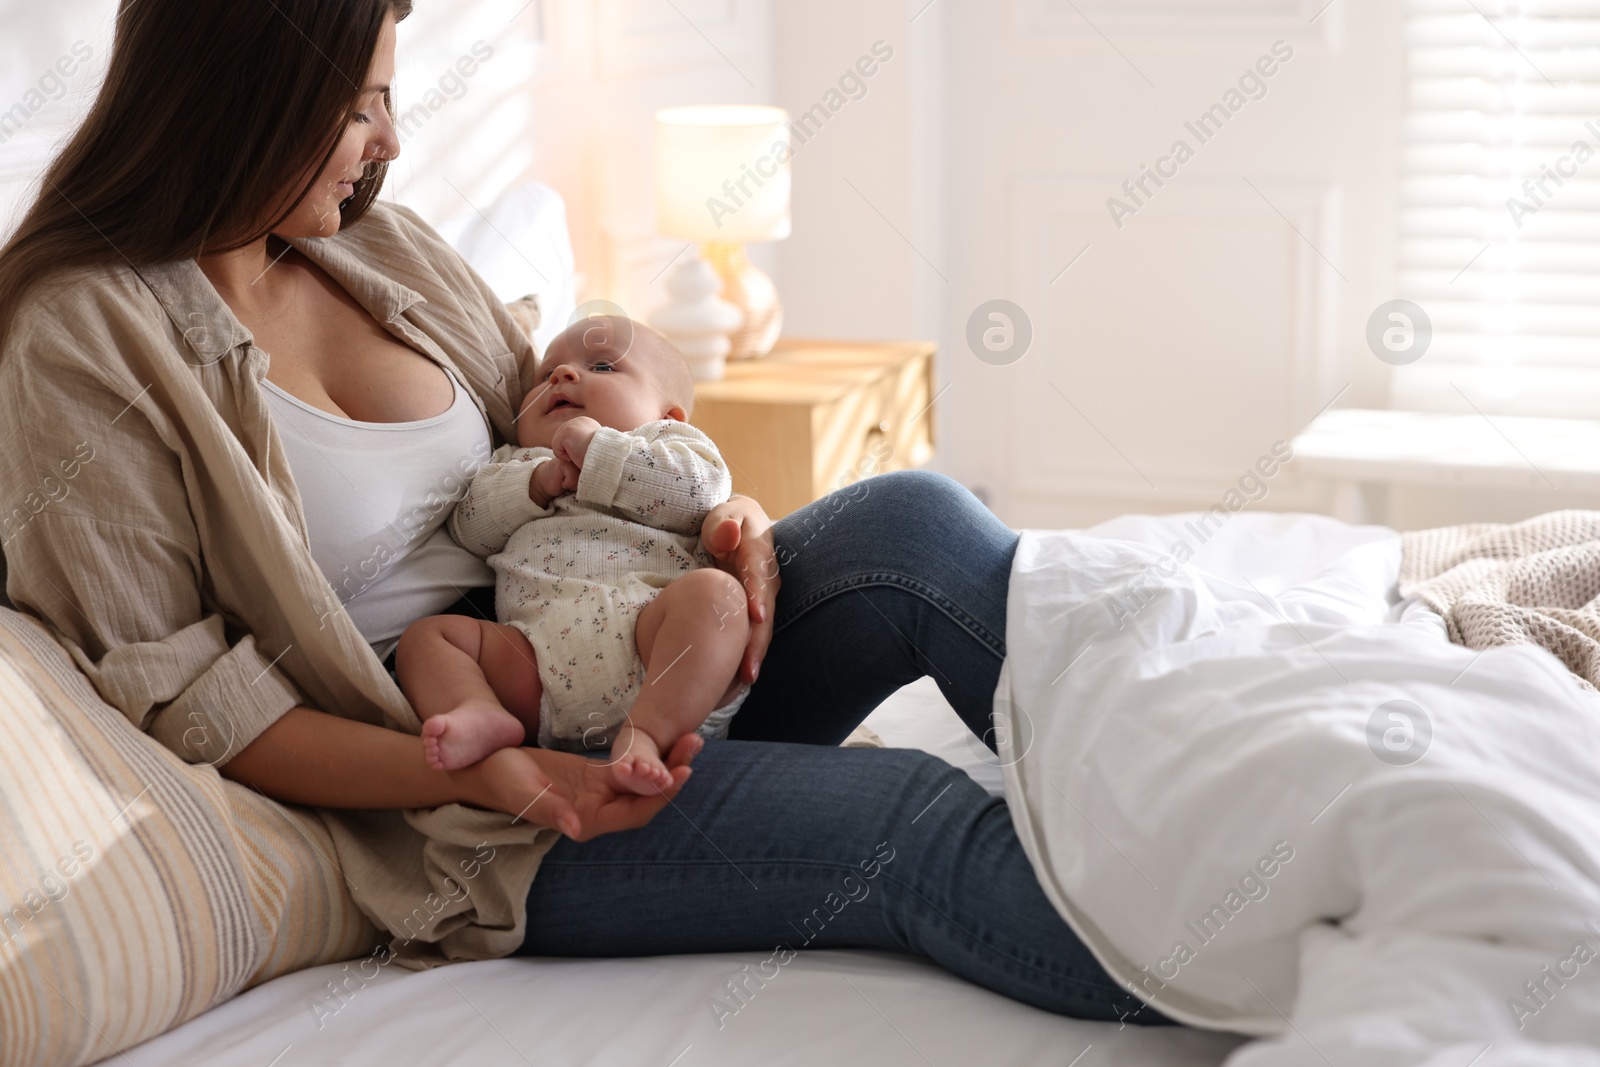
column 938, row 600
column 952, row 924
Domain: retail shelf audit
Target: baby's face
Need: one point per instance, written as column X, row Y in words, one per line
column 603, row 368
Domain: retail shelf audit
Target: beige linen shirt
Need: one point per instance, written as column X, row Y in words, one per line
column 150, row 518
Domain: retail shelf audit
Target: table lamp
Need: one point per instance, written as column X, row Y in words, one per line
column 722, row 180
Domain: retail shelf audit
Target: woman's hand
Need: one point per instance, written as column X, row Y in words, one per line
column 738, row 535
column 572, row 793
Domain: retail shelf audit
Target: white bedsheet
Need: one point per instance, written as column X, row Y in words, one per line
column 1213, row 778
column 836, row 1007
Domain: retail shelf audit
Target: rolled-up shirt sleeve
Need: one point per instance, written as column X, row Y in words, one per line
column 138, row 629
column 100, row 543
column 237, row 695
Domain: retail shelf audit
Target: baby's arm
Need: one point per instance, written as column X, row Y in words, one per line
column 666, row 473
column 507, row 492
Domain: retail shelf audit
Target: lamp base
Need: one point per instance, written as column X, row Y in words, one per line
column 696, row 320
column 747, row 288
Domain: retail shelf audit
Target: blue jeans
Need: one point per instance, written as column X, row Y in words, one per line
column 782, row 841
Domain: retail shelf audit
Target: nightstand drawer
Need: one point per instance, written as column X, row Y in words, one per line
column 885, row 425
column 813, row 417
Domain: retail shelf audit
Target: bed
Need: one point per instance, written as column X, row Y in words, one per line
column 830, row 1007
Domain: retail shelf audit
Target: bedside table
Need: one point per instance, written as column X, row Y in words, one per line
column 814, row 416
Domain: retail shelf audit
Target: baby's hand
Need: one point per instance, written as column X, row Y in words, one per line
column 571, row 439
column 551, row 479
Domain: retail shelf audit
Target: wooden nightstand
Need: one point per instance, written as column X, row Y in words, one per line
column 814, row 416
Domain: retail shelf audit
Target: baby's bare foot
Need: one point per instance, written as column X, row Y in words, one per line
column 464, row 735
column 636, row 765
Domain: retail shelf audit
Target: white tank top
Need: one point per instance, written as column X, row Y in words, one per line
column 376, row 496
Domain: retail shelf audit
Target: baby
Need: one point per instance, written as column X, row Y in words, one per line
column 592, row 528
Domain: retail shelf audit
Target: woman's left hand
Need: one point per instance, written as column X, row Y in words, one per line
column 738, row 535
column 569, row 792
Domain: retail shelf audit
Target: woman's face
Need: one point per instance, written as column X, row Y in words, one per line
column 368, row 137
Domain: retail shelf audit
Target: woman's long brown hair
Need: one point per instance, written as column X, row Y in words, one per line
column 210, row 110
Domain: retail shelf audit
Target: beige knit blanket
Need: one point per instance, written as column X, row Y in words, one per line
column 1534, row 582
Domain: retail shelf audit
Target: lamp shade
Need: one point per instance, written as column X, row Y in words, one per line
column 722, row 173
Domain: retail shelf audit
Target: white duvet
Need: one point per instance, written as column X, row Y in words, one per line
column 1269, row 810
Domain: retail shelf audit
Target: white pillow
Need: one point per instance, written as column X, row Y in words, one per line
column 520, row 245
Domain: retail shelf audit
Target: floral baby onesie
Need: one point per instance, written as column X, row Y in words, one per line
column 573, row 577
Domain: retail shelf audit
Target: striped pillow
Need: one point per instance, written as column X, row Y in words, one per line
column 137, row 891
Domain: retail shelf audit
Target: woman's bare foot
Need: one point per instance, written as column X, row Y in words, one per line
column 464, row 735
column 636, row 765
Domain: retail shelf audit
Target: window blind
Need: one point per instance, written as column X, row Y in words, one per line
column 1500, row 205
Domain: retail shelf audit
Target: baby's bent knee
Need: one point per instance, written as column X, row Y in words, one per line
column 721, row 590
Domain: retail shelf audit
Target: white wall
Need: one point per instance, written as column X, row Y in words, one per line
column 866, row 193
column 1182, row 345
column 38, row 107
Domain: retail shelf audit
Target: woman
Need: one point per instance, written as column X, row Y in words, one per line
column 228, row 543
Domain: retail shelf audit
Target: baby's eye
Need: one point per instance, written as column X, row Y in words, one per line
column 603, row 366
